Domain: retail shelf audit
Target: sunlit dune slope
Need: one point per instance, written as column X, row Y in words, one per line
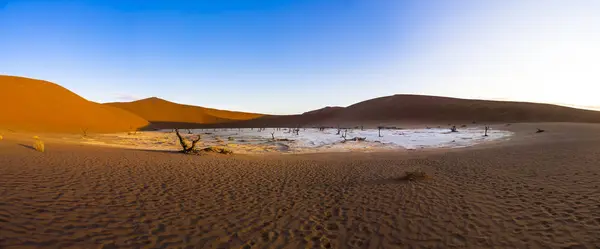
column 159, row 110
column 36, row 105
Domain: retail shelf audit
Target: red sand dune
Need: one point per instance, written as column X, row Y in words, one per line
column 158, row 110
column 36, row 105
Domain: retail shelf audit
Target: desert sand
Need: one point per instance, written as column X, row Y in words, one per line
column 533, row 191
column 41, row 106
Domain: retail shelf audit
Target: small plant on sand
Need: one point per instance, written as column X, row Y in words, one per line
column 184, row 145
column 415, row 176
column 38, row 144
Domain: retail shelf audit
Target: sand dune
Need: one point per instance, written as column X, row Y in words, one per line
column 35, row 105
column 535, row 191
column 157, row 110
column 441, row 109
column 418, row 109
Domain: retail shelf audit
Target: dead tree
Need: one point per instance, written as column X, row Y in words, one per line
column 362, row 128
column 185, row 148
column 84, row 131
column 189, row 131
column 345, row 134
column 453, row 129
column 338, row 130
column 379, row 130
column 486, row 131
column 273, row 135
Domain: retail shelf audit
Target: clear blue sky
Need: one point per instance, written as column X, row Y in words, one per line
column 291, row 56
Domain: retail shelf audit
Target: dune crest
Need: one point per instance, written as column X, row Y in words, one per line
column 37, row 105
column 159, row 110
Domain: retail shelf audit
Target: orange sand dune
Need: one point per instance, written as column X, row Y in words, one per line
column 36, row 105
column 159, row 110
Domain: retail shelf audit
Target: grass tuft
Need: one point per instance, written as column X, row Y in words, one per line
column 39, row 145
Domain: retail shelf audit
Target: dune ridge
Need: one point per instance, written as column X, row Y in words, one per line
column 417, row 109
column 159, row 110
column 37, row 105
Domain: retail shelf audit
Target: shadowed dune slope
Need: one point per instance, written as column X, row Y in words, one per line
column 435, row 109
column 36, row 105
column 157, row 110
column 424, row 109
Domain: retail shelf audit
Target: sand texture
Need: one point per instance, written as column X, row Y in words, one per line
column 534, row 191
column 35, row 105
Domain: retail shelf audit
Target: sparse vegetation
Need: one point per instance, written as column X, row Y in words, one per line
column 38, row 144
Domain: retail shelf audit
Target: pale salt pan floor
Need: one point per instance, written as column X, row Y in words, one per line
column 251, row 141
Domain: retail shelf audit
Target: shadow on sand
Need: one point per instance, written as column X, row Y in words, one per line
column 27, row 146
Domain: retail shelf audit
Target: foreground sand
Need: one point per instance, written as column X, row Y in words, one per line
column 535, row 191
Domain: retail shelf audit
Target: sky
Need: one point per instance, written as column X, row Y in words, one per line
column 292, row 56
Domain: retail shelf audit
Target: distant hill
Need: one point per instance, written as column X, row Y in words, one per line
column 425, row 109
column 325, row 110
column 442, row 109
column 36, row 105
column 165, row 114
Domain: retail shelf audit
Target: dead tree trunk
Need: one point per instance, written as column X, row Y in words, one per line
column 185, row 148
column 453, row 129
column 273, row 135
column 486, row 131
column 379, row 129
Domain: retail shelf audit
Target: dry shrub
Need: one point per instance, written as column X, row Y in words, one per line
column 415, row 176
column 219, row 150
column 39, row 145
